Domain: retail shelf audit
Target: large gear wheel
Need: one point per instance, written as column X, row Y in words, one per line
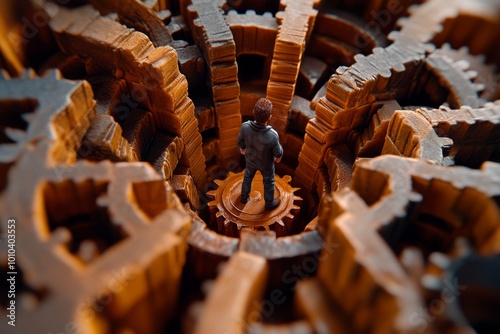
column 229, row 215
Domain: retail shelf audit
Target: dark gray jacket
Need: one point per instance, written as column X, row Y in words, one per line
column 262, row 145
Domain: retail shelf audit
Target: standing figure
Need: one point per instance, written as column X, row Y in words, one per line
column 260, row 144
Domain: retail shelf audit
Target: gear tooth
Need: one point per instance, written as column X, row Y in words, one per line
column 60, row 235
column 287, row 178
column 15, row 134
column 55, row 74
column 431, row 282
column 220, row 215
column 8, row 152
column 479, row 87
column 212, row 194
column 415, row 197
column 464, row 49
column 412, row 9
column 440, row 260
column 28, row 117
column 280, row 222
column 461, row 247
column 471, row 74
column 4, row 75
column 103, row 201
column 212, row 204
column 462, row 64
column 218, row 182
column 28, row 74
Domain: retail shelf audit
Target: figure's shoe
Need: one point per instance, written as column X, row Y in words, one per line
column 274, row 205
column 244, row 200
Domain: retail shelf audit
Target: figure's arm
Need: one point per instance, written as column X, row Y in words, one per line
column 277, row 150
column 241, row 143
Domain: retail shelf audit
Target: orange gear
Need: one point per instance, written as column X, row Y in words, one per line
column 229, row 215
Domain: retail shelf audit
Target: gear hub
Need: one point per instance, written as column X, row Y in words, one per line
column 228, row 215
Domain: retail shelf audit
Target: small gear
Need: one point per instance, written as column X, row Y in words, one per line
column 229, row 215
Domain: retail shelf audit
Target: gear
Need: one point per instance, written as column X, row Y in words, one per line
column 47, row 108
column 474, row 68
column 453, row 74
column 229, row 215
column 462, row 289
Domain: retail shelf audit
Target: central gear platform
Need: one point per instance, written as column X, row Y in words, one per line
column 229, row 215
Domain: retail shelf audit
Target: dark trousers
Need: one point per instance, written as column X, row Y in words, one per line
column 268, row 178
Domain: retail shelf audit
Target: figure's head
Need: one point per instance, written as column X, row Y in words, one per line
column 262, row 110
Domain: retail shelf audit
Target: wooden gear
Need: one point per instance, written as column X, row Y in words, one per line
column 229, row 216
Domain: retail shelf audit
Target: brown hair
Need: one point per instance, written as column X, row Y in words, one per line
column 262, row 110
